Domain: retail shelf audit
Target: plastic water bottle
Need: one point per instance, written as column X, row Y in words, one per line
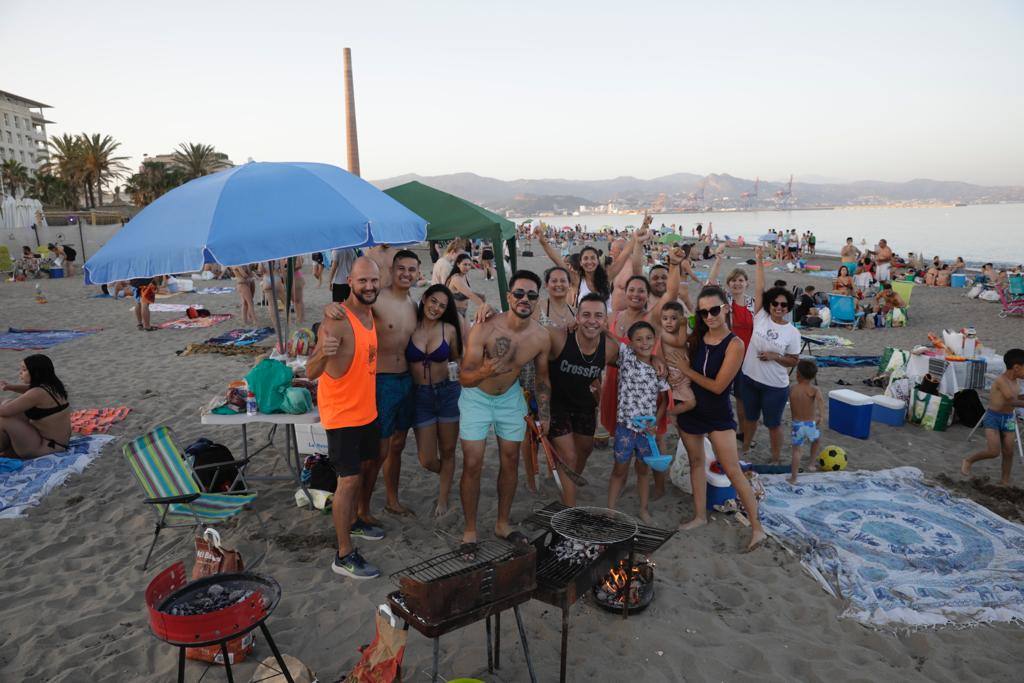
column 250, row 404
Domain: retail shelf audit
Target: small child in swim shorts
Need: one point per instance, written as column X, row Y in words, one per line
column 1000, row 419
column 807, row 409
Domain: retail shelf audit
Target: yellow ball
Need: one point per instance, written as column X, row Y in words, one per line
column 832, row 458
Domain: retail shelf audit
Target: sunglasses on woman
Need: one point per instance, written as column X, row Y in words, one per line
column 784, row 305
column 709, row 312
column 520, row 293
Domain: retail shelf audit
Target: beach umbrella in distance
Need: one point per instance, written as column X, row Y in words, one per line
column 260, row 211
column 670, row 238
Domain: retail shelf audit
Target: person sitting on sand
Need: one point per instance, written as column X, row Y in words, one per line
column 38, row 422
column 1000, row 420
column 844, row 282
column 807, row 408
column 887, row 299
column 943, row 277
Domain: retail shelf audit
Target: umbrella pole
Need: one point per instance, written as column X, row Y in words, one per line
column 273, row 307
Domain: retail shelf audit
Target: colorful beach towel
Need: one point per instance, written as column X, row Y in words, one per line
column 241, row 337
column 97, row 420
column 26, row 487
column 899, row 552
column 23, row 340
column 254, row 350
column 829, row 340
column 194, row 323
column 172, row 308
column 216, row 290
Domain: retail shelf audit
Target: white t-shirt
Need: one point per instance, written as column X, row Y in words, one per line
column 770, row 336
column 442, row 269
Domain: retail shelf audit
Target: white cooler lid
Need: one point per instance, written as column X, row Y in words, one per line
column 851, row 397
column 889, row 402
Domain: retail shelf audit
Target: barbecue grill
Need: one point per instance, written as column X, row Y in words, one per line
column 451, row 591
column 169, row 590
column 561, row 582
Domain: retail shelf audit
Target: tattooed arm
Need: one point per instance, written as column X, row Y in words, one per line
column 543, row 394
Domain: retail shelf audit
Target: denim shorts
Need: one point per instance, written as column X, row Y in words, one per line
column 760, row 399
column 436, row 403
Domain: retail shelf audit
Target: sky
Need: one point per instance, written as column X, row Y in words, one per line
column 852, row 90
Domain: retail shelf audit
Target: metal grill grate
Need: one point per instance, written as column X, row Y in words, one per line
column 452, row 564
column 647, row 538
column 553, row 573
column 594, row 525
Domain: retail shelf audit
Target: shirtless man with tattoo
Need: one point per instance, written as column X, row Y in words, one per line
column 496, row 351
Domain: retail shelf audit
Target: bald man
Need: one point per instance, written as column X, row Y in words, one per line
column 345, row 361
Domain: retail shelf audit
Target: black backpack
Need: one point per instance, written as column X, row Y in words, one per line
column 214, row 479
column 967, row 407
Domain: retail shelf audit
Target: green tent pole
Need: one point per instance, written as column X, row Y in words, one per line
column 502, row 275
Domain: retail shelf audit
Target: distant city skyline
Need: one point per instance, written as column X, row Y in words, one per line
column 579, row 90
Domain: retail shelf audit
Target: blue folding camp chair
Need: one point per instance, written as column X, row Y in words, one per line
column 844, row 310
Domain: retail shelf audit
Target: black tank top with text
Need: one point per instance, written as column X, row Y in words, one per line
column 571, row 376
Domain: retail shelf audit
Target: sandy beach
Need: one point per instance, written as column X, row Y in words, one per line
column 72, row 594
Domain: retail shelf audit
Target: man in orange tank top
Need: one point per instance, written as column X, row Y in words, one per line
column 345, row 361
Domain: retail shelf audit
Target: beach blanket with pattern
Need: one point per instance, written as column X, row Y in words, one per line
column 27, row 486
column 194, row 323
column 241, row 337
column 23, row 340
column 845, row 361
column 899, row 552
column 172, row 308
column 216, row 290
column 97, row 420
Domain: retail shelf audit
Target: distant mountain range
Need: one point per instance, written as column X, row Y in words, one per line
column 689, row 191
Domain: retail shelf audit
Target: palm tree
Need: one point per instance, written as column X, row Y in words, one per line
column 15, row 176
column 152, row 180
column 52, row 191
column 67, row 161
column 100, row 162
column 196, row 159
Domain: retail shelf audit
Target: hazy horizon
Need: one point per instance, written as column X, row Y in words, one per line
column 576, row 90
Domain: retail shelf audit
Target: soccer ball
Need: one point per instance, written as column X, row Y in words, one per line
column 832, row 458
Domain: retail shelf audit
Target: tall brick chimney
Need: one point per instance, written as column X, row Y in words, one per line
column 350, row 116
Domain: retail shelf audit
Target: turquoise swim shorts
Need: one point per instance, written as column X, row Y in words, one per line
column 478, row 411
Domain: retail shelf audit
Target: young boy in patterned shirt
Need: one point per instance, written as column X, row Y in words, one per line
column 641, row 394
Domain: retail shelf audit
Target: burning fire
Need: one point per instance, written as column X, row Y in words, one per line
column 614, row 584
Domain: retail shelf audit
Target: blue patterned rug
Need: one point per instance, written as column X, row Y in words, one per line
column 26, row 486
column 899, row 552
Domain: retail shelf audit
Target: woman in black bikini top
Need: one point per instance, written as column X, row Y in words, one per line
column 38, row 421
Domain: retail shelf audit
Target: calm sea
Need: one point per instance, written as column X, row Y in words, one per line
column 977, row 233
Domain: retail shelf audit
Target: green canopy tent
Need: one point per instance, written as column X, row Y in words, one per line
column 449, row 217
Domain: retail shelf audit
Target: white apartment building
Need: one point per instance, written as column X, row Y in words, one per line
column 23, row 130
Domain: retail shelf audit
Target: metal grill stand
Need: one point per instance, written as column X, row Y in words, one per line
column 561, row 583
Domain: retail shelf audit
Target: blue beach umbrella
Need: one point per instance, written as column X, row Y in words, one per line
column 253, row 213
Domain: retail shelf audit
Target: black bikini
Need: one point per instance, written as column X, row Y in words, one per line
column 40, row 413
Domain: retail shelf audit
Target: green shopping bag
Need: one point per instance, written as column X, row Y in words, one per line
column 269, row 380
column 930, row 411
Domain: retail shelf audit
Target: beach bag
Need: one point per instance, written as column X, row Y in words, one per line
column 897, row 318
column 975, row 291
column 297, row 401
column 900, row 388
column 989, row 295
column 269, row 380
column 214, row 479
column 212, row 558
column 967, row 407
column 381, row 660
column 931, row 411
column 301, row 342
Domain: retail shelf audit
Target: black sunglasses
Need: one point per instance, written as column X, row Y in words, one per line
column 520, row 293
column 709, row 312
column 781, row 304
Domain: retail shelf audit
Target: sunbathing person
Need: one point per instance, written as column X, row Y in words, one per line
column 38, row 422
column 844, row 282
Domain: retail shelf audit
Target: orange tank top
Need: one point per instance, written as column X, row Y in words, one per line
column 351, row 400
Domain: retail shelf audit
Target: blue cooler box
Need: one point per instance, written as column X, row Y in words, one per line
column 958, row 280
column 849, row 413
column 888, row 410
column 56, row 273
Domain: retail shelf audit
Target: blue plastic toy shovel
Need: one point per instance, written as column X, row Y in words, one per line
column 656, row 461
